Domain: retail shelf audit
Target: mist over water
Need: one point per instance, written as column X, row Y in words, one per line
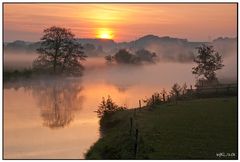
column 56, row 118
column 163, row 70
column 18, row 61
column 229, row 72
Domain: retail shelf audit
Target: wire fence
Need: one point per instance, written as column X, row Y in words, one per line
column 206, row 91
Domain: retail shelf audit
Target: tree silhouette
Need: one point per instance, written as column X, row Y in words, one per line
column 153, row 100
column 71, row 58
column 109, row 59
column 124, row 57
column 164, row 94
column 59, row 52
column 146, row 55
column 184, row 88
column 176, row 90
column 208, row 62
column 107, row 107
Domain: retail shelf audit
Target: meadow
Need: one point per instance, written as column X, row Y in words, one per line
column 193, row 129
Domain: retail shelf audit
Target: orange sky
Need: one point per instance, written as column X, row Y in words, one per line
column 123, row 22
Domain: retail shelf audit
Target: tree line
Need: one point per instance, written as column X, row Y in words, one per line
column 123, row 56
column 61, row 54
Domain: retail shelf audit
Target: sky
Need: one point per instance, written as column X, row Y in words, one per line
column 121, row 22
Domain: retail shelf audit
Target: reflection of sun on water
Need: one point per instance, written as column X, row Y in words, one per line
column 105, row 33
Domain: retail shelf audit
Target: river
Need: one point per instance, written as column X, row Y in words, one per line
column 55, row 118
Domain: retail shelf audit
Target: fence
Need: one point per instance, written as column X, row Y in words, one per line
column 203, row 91
column 220, row 89
column 134, row 130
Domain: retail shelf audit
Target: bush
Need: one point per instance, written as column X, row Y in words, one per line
column 123, row 56
column 107, row 107
column 153, row 100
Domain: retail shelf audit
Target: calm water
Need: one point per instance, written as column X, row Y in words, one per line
column 56, row 119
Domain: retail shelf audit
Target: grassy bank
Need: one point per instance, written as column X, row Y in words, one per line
column 196, row 129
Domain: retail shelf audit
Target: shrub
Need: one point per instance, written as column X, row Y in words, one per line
column 153, row 100
column 107, row 107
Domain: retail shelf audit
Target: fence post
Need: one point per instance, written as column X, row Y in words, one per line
column 140, row 104
column 136, row 144
column 131, row 124
column 164, row 97
column 153, row 99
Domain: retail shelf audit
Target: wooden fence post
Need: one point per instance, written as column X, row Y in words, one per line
column 153, row 99
column 131, row 125
column 136, row 144
column 140, row 104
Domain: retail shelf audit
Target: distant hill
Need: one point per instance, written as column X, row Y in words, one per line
column 226, row 46
column 106, row 44
column 167, row 48
column 21, row 46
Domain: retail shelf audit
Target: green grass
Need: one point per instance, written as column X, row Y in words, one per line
column 196, row 129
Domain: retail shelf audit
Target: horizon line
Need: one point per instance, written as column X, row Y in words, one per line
column 94, row 38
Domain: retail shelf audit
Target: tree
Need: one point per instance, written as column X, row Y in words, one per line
column 184, row 88
column 123, row 56
column 59, row 52
column 71, row 58
column 176, row 89
column 164, row 94
column 107, row 107
column 208, row 62
column 155, row 99
column 146, row 55
column 109, row 59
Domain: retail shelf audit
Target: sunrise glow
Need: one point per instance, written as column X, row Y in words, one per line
column 121, row 22
column 105, row 34
column 129, row 80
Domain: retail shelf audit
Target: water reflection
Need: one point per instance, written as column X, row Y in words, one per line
column 57, row 98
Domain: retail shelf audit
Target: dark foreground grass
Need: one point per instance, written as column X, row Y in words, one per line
column 197, row 129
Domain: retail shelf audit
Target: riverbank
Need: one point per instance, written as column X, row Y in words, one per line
column 195, row 129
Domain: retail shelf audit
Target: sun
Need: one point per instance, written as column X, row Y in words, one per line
column 105, row 33
column 105, row 36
